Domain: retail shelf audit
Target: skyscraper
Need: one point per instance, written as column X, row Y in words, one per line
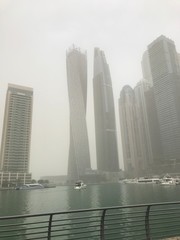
column 166, row 80
column 16, row 138
column 141, row 88
column 79, row 157
column 146, row 68
column 105, row 127
column 130, row 132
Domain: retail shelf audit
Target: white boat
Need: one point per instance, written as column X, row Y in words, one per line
column 168, row 180
column 79, row 185
column 30, row 186
column 133, row 180
column 148, row 180
column 142, row 180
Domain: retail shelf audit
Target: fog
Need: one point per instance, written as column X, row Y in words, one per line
column 34, row 37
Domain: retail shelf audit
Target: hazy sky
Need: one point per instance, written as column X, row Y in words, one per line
column 34, row 37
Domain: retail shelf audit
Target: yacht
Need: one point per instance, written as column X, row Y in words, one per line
column 148, row 180
column 79, row 185
column 168, row 180
column 30, row 186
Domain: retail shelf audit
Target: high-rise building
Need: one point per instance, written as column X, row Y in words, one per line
column 16, row 138
column 130, row 132
column 146, row 69
column 153, row 124
column 105, row 127
column 79, row 157
column 165, row 71
column 141, row 88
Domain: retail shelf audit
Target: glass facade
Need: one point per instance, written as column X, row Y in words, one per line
column 79, row 157
column 166, row 80
column 105, row 127
column 15, row 148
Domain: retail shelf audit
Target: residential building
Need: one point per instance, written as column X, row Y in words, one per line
column 146, row 68
column 141, row 88
column 79, row 156
column 105, row 126
column 131, row 137
column 16, row 137
column 165, row 71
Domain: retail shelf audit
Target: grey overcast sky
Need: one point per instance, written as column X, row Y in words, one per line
column 34, row 37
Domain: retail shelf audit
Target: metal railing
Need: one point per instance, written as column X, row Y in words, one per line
column 145, row 221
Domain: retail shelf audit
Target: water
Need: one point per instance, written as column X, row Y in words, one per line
column 65, row 198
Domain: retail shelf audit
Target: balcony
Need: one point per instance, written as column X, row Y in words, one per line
column 137, row 222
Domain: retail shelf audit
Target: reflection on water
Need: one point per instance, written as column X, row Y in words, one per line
column 14, row 202
column 94, row 196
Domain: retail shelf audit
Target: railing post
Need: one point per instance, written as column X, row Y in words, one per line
column 49, row 226
column 148, row 237
column 102, row 225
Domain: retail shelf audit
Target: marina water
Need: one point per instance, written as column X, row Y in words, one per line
column 63, row 198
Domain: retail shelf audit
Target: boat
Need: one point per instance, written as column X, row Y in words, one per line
column 148, row 180
column 30, row 186
column 128, row 180
column 167, row 180
column 79, row 185
column 142, row 180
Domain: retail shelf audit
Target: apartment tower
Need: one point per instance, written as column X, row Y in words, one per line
column 165, row 71
column 105, row 127
column 79, row 157
column 16, row 138
column 140, row 90
column 130, row 132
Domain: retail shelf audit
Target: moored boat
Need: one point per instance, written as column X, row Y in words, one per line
column 30, row 186
column 148, row 180
column 79, row 185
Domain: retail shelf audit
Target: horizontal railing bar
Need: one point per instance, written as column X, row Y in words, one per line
column 119, row 217
column 129, row 238
column 23, row 234
column 137, row 235
column 76, row 233
column 155, row 220
column 83, row 237
column 125, row 227
column 162, row 214
column 129, row 230
column 35, row 238
column 81, row 221
column 164, row 211
column 134, row 213
column 22, row 224
column 117, row 238
column 163, row 232
column 169, row 227
column 75, row 228
column 159, row 223
column 19, row 229
column 82, row 217
column 66, row 224
column 127, row 220
column 124, row 212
